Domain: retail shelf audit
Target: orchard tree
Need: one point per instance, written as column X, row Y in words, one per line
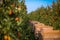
column 14, row 21
column 49, row 15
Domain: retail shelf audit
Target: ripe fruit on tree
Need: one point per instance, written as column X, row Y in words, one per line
column 10, row 12
column 7, row 37
column 18, row 34
column 17, row 19
column 12, row 5
column 19, row 8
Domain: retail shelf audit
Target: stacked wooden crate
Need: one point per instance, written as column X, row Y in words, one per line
column 51, row 35
column 46, row 32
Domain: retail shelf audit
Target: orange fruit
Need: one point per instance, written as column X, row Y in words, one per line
column 12, row 5
column 17, row 19
column 18, row 33
column 19, row 8
column 6, row 37
column 10, row 12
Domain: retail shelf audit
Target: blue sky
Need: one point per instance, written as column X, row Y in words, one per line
column 34, row 4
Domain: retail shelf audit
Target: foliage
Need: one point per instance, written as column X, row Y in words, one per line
column 14, row 21
column 49, row 15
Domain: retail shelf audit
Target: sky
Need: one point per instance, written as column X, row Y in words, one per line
column 34, row 4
